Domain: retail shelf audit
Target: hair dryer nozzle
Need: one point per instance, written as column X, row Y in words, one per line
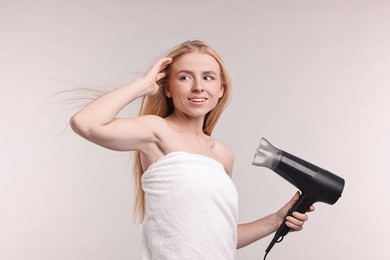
column 267, row 155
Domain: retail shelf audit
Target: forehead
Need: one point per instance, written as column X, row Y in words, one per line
column 196, row 61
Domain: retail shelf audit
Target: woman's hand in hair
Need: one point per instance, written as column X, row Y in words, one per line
column 155, row 73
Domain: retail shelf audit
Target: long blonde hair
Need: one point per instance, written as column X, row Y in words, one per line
column 161, row 105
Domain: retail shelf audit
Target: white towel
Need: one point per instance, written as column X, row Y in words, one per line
column 191, row 206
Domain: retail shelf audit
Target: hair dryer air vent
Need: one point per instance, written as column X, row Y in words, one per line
column 267, row 155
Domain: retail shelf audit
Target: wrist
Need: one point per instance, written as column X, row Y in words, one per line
column 276, row 221
column 142, row 86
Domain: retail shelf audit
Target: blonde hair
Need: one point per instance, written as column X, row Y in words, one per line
column 161, row 105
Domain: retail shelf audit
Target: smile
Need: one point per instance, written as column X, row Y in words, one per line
column 197, row 99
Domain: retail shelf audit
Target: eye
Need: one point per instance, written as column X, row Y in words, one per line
column 185, row 77
column 208, row 77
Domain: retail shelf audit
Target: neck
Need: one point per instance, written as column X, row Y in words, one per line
column 186, row 124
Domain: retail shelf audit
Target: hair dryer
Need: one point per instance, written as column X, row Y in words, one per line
column 315, row 184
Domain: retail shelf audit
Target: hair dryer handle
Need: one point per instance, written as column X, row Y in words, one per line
column 302, row 205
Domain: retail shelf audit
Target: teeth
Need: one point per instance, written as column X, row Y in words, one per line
column 198, row 99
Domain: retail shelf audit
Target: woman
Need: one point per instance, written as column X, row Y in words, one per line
column 183, row 186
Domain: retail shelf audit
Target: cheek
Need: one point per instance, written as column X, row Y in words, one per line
column 174, row 88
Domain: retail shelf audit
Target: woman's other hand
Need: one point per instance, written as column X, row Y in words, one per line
column 297, row 220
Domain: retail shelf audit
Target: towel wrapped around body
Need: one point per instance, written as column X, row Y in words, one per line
column 191, row 209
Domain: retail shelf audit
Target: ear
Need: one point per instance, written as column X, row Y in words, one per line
column 220, row 94
column 167, row 92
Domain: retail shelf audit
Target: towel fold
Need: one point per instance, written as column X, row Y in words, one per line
column 191, row 209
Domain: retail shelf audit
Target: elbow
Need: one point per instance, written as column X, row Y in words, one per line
column 75, row 123
column 80, row 127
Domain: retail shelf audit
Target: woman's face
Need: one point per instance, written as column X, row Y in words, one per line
column 194, row 84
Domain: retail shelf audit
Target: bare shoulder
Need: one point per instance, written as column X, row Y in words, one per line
column 226, row 156
column 156, row 126
column 152, row 123
column 151, row 120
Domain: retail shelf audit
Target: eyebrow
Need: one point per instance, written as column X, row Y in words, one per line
column 210, row 72
column 204, row 72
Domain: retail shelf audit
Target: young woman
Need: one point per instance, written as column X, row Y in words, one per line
column 184, row 193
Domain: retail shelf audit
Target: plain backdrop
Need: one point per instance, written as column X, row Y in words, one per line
column 311, row 76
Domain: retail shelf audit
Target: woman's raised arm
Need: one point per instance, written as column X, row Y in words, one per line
column 97, row 121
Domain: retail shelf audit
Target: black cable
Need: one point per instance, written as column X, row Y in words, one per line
column 265, row 255
column 267, row 251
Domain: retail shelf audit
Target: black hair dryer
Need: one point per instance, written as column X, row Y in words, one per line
column 315, row 184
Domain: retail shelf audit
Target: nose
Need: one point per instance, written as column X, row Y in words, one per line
column 197, row 85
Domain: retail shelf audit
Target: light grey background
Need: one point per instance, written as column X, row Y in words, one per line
column 310, row 76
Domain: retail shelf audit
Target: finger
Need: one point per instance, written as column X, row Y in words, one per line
column 296, row 196
column 158, row 68
column 293, row 200
column 166, row 61
column 160, row 76
column 294, row 227
column 300, row 216
column 163, row 63
column 294, row 223
column 159, row 65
